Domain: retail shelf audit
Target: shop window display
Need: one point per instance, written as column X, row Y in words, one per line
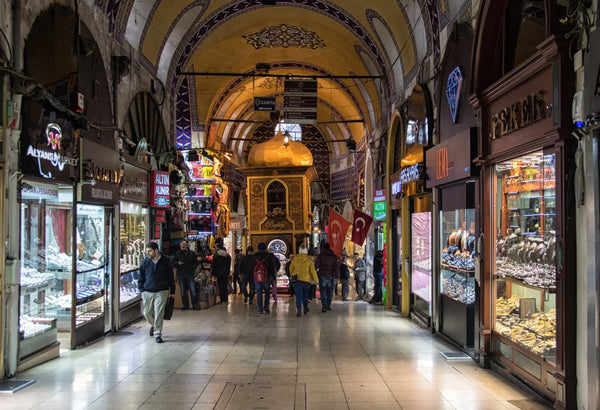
column 133, row 234
column 458, row 246
column 46, row 262
column 421, row 259
column 92, row 262
column 524, row 271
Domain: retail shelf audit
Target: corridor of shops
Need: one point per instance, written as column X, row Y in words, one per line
column 356, row 356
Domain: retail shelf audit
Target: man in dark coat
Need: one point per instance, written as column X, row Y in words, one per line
column 221, row 266
column 156, row 279
column 378, row 277
column 328, row 270
column 185, row 261
column 263, row 288
column 247, row 275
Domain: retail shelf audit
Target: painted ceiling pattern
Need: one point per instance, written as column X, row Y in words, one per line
column 284, row 36
column 366, row 55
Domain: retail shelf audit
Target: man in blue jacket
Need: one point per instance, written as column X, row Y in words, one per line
column 156, row 279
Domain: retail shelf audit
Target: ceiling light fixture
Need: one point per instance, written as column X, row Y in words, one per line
column 286, row 138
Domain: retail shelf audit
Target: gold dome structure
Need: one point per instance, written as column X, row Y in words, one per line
column 279, row 152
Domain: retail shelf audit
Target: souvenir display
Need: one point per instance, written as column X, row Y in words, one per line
column 525, row 272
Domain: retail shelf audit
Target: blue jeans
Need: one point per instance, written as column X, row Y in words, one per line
column 326, row 289
column 187, row 283
column 260, row 288
column 301, row 290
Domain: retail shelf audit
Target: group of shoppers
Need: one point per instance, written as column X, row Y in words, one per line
column 256, row 274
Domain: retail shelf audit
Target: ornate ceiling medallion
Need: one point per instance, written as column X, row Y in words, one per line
column 284, row 36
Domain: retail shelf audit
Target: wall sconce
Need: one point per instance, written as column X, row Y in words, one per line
column 228, row 155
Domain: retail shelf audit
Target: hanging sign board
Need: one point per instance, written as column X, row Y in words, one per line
column 159, row 189
column 264, row 104
column 300, row 101
column 379, row 205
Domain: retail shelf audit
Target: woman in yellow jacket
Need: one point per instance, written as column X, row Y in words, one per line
column 302, row 271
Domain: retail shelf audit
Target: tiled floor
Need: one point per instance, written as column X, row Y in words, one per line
column 357, row 356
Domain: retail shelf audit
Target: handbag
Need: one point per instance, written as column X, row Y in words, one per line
column 169, row 308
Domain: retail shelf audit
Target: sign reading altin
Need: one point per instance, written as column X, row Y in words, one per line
column 525, row 112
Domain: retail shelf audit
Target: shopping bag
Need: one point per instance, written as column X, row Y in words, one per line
column 169, row 307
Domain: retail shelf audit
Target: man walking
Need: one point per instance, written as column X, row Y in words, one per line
column 156, row 279
column 378, row 278
column 360, row 276
column 184, row 264
column 247, row 275
column 328, row 269
column 221, row 266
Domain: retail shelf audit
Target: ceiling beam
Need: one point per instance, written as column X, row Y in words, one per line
column 263, row 122
column 223, row 74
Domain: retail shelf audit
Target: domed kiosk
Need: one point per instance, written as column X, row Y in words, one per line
column 278, row 179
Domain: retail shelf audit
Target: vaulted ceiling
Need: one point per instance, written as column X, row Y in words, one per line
column 364, row 54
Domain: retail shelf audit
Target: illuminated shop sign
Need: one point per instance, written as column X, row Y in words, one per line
column 379, row 195
column 410, row 174
column 49, row 159
column 525, row 112
column 159, row 189
column 379, row 204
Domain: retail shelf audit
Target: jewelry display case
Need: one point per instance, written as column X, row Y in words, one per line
column 457, row 275
column 525, row 269
column 46, row 264
column 133, row 238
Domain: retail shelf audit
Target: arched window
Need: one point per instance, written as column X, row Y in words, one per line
column 524, row 26
column 276, row 199
column 294, row 130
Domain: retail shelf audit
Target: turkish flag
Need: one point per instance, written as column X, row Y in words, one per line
column 338, row 227
column 360, row 226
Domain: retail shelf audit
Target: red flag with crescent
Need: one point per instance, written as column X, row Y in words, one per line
column 338, row 227
column 360, row 227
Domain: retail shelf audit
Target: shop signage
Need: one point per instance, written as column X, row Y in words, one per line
column 157, row 230
column 134, row 185
column 451, row 160
column 101, row 173
column 453, row 87
column 49, row 153
column 379, row 205
column 264, row 104
column 160, row 216
column 300, row 101
column 29, row 191
column 379, row 211
column 159, row 189
column 235, row 224
column 379, row 195
column 410, row 174
column 525, row 112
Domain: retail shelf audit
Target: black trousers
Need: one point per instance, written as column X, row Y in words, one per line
column 223, row 288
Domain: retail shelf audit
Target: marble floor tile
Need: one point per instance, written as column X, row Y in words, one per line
column 358, row 356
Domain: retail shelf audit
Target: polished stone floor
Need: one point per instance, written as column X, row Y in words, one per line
column 356, row 356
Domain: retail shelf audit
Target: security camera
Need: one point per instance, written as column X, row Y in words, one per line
column 579, row 133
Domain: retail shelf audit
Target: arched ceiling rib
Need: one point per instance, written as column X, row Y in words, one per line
column 349, row 37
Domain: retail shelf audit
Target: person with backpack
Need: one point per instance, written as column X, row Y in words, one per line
column 264, row 275
column 247, row 275
column 302, row 271
column 328, row 268
column 221, row 266
column 345, row 279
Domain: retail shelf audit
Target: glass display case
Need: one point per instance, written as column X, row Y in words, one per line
column 524, row 268
column 421, row 260
column 46, row 263
column 457, row 275
column 133, row 237
column 93, row 271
